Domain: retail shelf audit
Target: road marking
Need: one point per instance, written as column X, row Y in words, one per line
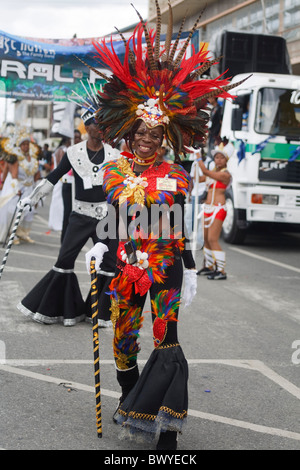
column 254, row 365
column 29, row 253
column 56, row 380
column 245, row 425
column 11, row 269
column 195, row 413
column 263, row 258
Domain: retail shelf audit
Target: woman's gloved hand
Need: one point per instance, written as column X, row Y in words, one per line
column 190, row 286
column 96, row 252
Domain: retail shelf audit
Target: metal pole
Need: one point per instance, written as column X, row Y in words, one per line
column 11, row 239
column 11, row 222
column 195, row 215
column 94, row 307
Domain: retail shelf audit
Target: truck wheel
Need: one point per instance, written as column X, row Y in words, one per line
column 231, row 233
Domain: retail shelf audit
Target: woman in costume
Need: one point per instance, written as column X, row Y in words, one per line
column 148, row 97
column 215, row 212
column 21, row 156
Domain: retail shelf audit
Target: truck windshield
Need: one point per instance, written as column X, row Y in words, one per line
column 278, row 112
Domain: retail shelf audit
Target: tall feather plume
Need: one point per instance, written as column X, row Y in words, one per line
column 169, row 30
column 130, row 53
column 168, row 40
column 221, row 90
column 182, row 52
column 204, row 67
column 102, row 75
column 182, row 98
column 148, row 41
column 158, row 30
column 174, row 48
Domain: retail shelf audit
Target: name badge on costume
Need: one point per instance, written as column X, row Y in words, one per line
column 166, row 184
column 87, row 182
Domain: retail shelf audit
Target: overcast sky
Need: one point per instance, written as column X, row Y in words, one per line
column 64, row 18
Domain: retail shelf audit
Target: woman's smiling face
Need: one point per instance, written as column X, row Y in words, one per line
column 147, row 141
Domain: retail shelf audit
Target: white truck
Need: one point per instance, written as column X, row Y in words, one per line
column 263, row 124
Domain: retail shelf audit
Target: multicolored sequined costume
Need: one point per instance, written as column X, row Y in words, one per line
column 159, row 399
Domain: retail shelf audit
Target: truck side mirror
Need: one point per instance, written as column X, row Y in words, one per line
column 236, row 119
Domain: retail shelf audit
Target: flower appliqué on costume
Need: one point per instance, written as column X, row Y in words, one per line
column 142, row 259
column 134, row 186
column 134, row 181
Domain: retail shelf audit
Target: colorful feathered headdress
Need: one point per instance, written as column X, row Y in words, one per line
column 161, row 87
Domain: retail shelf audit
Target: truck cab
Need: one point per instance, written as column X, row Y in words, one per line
column 263, row 124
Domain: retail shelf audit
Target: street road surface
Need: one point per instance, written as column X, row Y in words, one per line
column 241, row 338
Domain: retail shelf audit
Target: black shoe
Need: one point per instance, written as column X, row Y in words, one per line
column 217, row 276
column 205, row 271
column 167, row 441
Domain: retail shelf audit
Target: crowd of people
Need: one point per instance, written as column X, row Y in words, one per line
column 110, row 185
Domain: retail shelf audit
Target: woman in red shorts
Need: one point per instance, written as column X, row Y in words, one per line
column 217, row 181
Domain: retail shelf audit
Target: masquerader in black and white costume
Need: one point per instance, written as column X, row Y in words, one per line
column 57, row 297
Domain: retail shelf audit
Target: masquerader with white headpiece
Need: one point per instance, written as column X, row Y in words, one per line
column 57, row 297
column 21, row 156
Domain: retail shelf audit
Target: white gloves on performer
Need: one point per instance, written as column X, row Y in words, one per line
column 25, row 201
column 43, row 188
column 96, row 252
column 190, row 286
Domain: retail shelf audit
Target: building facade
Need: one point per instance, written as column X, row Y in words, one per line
column 275, row 17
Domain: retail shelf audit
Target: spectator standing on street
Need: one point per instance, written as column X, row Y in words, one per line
column 45, row 161
column 215, row 212
column 22, row 158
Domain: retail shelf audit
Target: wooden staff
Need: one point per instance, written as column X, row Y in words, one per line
column 94, row 307
column 11, row 239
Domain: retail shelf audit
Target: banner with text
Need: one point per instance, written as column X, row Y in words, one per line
column 49, row 69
